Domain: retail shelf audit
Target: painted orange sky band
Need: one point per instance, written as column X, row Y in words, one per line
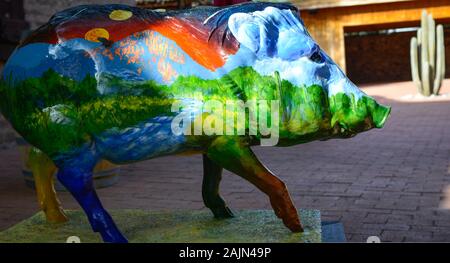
column 190, row 35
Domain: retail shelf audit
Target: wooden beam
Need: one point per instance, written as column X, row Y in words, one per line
column 392, row 13
column 320, row 4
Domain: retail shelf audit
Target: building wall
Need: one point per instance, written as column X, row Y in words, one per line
column 383, row 58
column 7, row 133
column 37, row 12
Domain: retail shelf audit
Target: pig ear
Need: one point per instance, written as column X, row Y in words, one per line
column 246, row 30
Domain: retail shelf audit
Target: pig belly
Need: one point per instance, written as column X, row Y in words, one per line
column 144, row 141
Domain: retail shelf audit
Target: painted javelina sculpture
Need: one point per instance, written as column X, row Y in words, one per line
column 99, row 82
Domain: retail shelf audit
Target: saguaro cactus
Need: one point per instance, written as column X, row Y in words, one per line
column 428, row 56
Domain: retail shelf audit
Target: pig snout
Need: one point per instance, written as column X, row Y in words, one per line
column 353, row 111
column 380, row 113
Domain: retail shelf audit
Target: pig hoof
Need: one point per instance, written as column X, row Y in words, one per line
column 56, row 216
column 290, row 218
column 294, row 225
column 113, row 236
column 285, row 210
column 222, row 212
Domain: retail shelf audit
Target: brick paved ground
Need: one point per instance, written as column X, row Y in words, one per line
column 384, row 182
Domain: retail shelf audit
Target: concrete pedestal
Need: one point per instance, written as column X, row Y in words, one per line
column 172, row 226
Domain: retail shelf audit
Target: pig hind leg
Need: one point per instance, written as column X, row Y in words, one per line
column 76, row 176
column 234, row 154
column 43, row 170
column 212, row 174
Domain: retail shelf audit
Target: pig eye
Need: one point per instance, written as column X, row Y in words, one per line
column 316, row 57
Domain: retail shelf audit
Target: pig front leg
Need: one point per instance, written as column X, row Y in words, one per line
column 76, row 175
column 212, row 174
column 235, row 155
